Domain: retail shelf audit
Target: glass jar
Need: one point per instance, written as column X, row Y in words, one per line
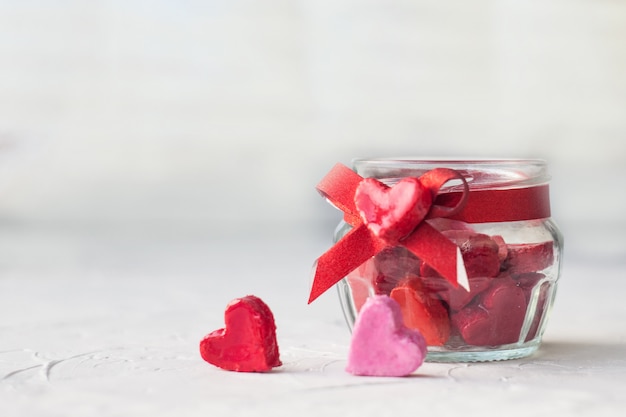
column 511, row 250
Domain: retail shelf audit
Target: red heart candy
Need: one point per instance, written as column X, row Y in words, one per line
column 248, row 341
column 527, row 282
column 422, row 312
column 523, row 258
column 393, row 264
column 392, row 213
column 480, row 254
column 458, row 297
column 495, row 317
column 543, row 303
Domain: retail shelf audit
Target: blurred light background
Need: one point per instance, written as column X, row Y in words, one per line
column 217, row 118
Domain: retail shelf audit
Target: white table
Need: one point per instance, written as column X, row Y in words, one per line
column 106, row 323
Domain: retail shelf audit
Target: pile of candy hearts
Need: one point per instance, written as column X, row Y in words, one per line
column 501, row 278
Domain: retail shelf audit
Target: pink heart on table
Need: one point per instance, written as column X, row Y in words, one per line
column 495, row 317
column 392, row 213
column 381, row 344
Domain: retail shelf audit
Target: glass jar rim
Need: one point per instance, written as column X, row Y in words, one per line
column 480, row 173
column 448, row 160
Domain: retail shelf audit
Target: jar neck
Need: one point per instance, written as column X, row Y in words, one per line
column 479, row 174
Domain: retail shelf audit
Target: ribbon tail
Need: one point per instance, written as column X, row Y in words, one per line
column 439, row 252
column 356, row 247
column 461, row 273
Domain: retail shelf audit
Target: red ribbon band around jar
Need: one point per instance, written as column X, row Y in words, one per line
column 383, row 216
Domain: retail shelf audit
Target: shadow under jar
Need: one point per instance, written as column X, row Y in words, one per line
column 512, row 265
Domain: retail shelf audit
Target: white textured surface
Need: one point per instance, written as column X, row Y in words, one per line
column 105, row 324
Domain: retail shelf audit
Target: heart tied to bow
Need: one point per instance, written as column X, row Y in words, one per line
column 391, row 213
column 383, row 216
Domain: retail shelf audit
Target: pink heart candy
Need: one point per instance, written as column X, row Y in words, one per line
column 381, row 344
column 392, row 213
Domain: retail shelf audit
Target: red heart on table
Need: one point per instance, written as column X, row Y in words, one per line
column 248, row 341
column 392, row 213
column 495, row 318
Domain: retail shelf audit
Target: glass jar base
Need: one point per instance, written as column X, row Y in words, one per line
column 482, row 355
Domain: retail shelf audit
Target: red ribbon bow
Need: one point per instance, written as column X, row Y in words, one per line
column 383, row 216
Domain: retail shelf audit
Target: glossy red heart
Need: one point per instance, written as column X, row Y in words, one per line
column 422, row 312
column 456, row 297
column 524, row 258
column 392, row 213
column 392, row 265
column 248, row 341
column 531, row 282
column 481, row 254
column 495, row 317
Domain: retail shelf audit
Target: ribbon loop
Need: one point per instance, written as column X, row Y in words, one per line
column 338, row 187
column 437, row 178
